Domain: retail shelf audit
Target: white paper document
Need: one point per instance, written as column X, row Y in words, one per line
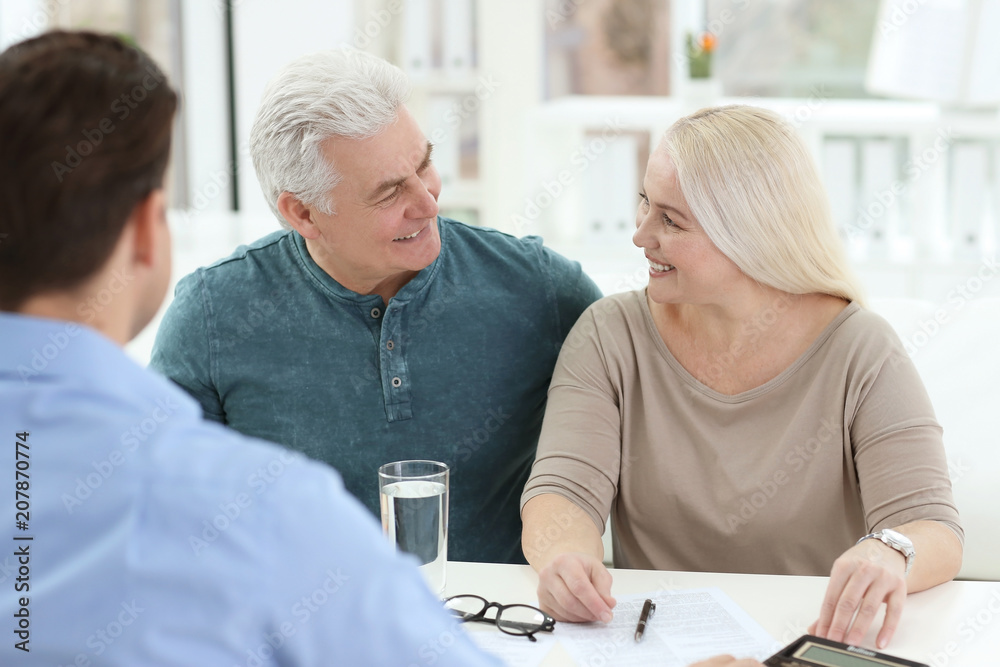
column 687, row 626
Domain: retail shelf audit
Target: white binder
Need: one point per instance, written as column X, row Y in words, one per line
column 457, row 36
column 969, row 192
column 443, row 125
column 841, row 179
column 417, row 39
column 611, row 184
column 880, row 203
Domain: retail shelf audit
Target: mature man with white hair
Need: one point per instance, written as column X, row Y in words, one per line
column 392, row 333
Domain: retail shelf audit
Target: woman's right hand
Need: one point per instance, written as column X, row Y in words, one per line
column 576, row 587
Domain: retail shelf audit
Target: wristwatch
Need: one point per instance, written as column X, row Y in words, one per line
column 897, row 541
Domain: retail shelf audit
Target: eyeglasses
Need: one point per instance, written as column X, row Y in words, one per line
column 514, row 619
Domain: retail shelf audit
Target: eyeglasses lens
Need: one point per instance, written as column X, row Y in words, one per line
column 520, row 619
column 465, row 606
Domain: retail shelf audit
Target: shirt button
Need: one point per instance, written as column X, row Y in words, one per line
column 396, row 382
column 376, row 312
column 390, row 345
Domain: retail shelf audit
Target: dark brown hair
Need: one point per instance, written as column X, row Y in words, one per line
column 85, row 127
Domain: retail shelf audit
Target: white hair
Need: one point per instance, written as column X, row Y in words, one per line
column 751, row 183
column 338, row 93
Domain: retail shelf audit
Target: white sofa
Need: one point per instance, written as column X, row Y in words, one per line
column 954, row 346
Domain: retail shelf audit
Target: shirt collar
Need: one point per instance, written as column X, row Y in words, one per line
column 38, row 350
column 406, row 292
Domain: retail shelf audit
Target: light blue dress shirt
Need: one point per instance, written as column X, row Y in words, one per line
column 158, row 538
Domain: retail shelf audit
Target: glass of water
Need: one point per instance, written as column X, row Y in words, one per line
column 414, row 499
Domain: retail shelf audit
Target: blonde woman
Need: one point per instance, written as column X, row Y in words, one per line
column 744, row 412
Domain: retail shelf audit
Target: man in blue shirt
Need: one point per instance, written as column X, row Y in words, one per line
column 144, row 535
column 372, row 330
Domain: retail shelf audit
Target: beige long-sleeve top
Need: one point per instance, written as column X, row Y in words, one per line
column 780, row 479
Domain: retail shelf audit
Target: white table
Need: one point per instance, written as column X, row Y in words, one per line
column 956, row 624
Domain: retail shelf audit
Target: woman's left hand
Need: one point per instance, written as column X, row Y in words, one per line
column 865, row 576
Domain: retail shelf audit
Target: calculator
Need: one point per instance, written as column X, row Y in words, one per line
column 810, row 651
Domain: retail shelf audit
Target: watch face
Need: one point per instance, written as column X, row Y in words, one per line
column 898, row 540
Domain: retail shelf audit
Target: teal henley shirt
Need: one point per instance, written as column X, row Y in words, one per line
column 455, row 368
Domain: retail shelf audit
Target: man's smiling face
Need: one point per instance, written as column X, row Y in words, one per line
column 384, row 229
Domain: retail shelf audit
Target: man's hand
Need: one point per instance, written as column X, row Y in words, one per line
column 727, row 661
column 576, row 587
column 864, row 577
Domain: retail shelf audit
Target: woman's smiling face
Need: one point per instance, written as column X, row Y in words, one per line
column 684, row 265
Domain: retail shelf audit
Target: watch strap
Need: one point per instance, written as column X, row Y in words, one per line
column 905, row 548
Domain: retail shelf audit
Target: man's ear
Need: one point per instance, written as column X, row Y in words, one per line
column 298, row 215
column 146, row 218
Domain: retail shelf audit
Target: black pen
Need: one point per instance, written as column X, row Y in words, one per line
column 648, row 607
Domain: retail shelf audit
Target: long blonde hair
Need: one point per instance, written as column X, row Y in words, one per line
column 749, row 180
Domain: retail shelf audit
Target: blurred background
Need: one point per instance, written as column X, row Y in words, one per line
column 543, row 112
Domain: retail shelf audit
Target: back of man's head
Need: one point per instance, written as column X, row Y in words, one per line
column 337, row 93
column 85, row 121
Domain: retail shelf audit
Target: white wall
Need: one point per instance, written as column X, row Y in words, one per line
column 268, row 35
column 21, row 19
